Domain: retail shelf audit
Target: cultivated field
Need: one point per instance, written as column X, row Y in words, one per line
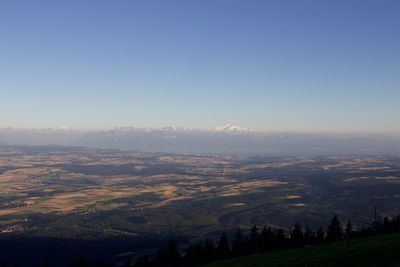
column 93, row 193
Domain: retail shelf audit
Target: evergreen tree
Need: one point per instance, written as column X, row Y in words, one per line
column 168, row 256
column 209, row 251
column 280, row 240
column 238, row 244
column 267, row 239
column 309, row 236
column 386, row 225
column 297, row 236
column 349, row 230
column 334, row 230
column 223, row 249
column 254, row 239
column 396, row 224
column 320, row 238
column 194, row 255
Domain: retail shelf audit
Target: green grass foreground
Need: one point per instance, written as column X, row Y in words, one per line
column 372, row 251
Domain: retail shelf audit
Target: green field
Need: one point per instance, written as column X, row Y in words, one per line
column 373, row 251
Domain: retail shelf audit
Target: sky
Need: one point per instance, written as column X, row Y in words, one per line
column 314, row 66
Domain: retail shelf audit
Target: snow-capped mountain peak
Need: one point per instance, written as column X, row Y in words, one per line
column 228, row 128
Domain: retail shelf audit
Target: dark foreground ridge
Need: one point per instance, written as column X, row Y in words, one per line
column 271, row 241
column 340, row 245
column 370, row 251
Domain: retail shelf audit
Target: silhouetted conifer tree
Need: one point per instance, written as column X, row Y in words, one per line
column 297, row 236
column 267, row 239
column 194, row 255
column 280, row 240
column 169, row 256
column 349, row 230
column 309, row 236
column 223, row 248
column 396, row 224
column 209, row 251
column 334, row 230
column 254, row 239
column 238, row 244
column 386, row 225
column 320, row 237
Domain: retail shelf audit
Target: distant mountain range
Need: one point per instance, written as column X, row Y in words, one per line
column 226, row 139
column 228, row 128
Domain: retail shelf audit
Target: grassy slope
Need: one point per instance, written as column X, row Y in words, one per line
column 372, row 251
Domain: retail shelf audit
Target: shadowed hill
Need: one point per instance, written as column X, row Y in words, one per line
column 371, row 251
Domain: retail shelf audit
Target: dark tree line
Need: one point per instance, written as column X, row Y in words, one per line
column 261, row 241
column 253, row 241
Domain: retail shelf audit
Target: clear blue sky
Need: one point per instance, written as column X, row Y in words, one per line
column 271, row 65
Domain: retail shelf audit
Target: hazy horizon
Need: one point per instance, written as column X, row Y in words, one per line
column 66, row 128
